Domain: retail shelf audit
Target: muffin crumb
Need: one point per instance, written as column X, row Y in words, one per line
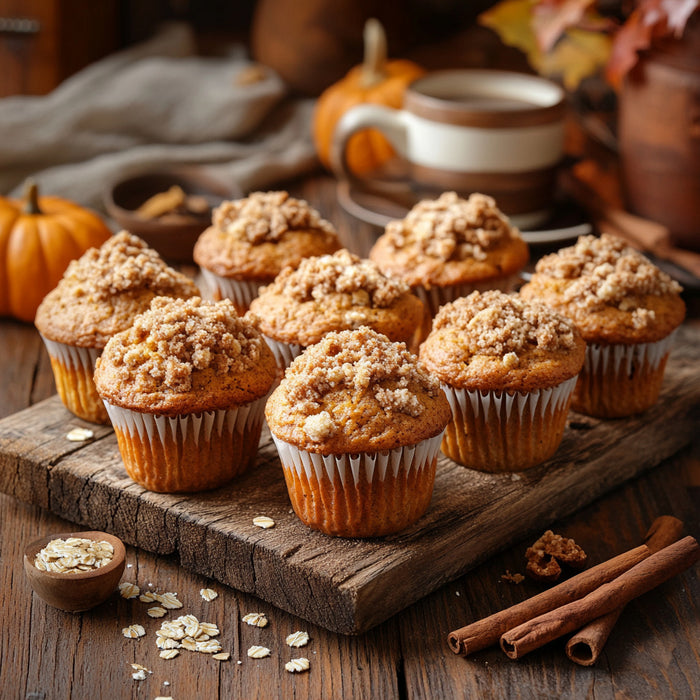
column 450, row 227
column 503, row 325
column 340, row 273
column 606, row 272
column 267, row 216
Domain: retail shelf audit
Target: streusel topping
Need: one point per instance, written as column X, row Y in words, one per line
column 607, row 272
column 122, row 264
column 452, row 228
column 359, row 362
column 176, row 338
column 267, row 216
column 505, row 326
column 340, row 273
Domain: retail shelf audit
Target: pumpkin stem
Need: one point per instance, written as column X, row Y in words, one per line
column 373, row 66
column 31, row 197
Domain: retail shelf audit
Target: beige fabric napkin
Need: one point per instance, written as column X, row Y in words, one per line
column 150, row 106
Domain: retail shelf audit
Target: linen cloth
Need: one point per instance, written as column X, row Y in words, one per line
column 151, row 106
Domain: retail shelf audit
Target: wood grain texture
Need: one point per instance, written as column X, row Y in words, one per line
column 346, row 586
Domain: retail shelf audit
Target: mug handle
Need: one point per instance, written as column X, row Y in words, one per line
column 391, row 122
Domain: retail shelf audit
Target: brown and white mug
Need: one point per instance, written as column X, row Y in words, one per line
column 473, row 130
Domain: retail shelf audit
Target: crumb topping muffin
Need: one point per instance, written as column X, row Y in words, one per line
column 612, row 292
column 257, row 236
column 335, row 292
column 496, row 341
column 451, row 240
column 103, row 290
column 356, row 391
column 185, row 356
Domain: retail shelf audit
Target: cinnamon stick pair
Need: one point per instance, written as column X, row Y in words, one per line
column 583, row 598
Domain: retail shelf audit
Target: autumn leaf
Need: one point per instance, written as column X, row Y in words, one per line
column 576, row 55
column 551, row 18
column 512, row 21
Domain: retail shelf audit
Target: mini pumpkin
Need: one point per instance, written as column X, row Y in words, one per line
column 376, row 81
column 39, row 236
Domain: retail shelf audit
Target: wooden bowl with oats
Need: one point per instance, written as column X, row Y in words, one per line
column 75, row 571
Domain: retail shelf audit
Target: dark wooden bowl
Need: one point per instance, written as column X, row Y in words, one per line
column 75, row 592
column 174, row 240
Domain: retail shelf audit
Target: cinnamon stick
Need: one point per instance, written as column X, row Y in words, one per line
column 585, row 646
column 483, row 633
column 640, row 579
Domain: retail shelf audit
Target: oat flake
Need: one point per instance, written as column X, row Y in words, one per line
column 80, row 435
column 257, row 652
column 169, row 653
column 264, row 522
column 133, row 631
column 156, row 612
column 255, row 619
column 297, row 665
column 222, row 656
column 128, row 590
column 297, row 639
column 208, row 594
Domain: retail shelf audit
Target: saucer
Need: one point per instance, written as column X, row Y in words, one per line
column 566, row 222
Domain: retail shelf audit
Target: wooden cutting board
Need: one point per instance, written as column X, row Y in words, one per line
column 346, row 586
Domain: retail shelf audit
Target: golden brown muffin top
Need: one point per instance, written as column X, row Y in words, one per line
column 335, row 292
column 185, row 356
column 450, row 240
column 102, row 291
column 356, row 391
column 496, row 341
column 255, row 237
column 612, row 292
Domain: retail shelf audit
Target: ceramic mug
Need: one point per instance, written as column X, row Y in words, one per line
column 469, row 130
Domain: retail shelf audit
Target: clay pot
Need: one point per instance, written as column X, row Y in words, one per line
column 659, row 135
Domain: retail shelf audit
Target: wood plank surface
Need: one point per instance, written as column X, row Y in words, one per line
column 346, row 586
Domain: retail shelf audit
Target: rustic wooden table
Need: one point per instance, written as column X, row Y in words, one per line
column 653, row 652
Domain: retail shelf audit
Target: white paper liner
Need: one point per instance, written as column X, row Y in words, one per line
column 507, row 405
column 435, row 297
column 351, row 466
column 284, row 352
column 621, row 359
column 72, row 356
column 241, row 292
column 222, row 423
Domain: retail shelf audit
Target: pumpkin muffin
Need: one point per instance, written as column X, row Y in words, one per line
column 358, row 422
column 627, row 310
column 333, row 293
column 185, row 388
column 449, row 247
column 98, row 296
column 508, row 368
column 252, row 240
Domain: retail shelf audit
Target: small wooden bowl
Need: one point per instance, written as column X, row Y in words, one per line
column 174, row 240
column 75, row 592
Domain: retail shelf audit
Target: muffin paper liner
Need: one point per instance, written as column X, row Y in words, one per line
column 284, row 352
column 435, row 297
column 497, row 431
column 73, row 370
column 241, row 292
column 365, row 494
column 621, row 380
column 189, row 452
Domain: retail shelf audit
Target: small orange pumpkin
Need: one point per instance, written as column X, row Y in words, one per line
column 39, row 236
column 375, row 81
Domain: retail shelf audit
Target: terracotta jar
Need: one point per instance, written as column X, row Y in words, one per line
column 659, row 133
